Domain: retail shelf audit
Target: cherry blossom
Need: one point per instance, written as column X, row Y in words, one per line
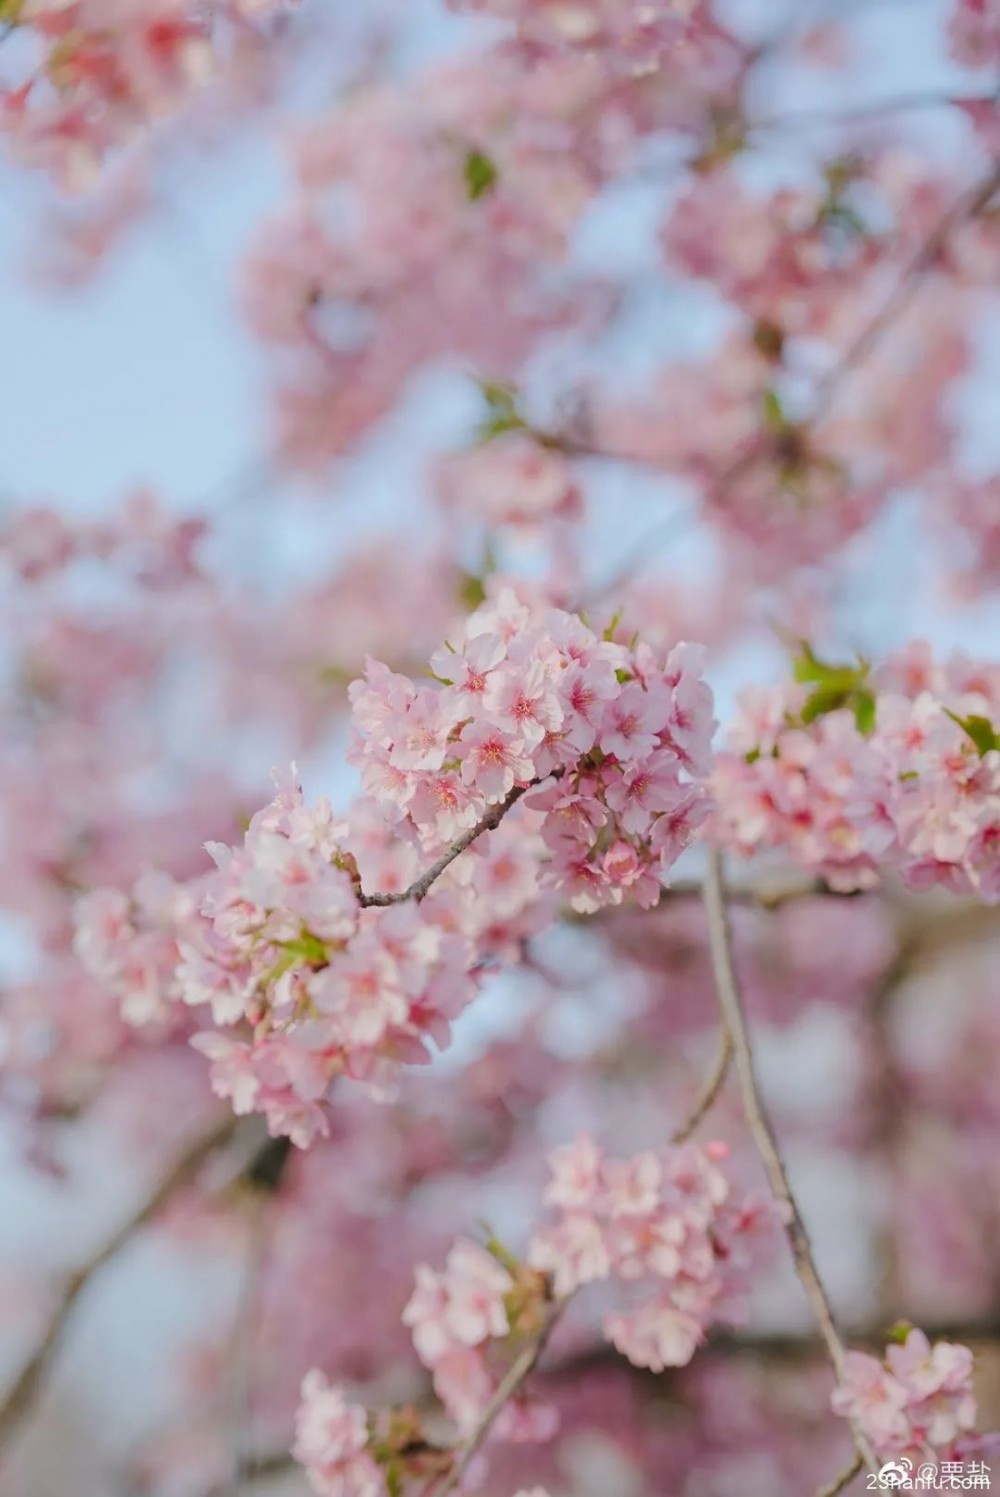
column 918, row 1402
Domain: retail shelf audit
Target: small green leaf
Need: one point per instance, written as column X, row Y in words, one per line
column 480, row 174
column 609, row 632
column 502, row 412
column 864, row 711
column 834, row 686
column 622, row 676
column 979, row 729
column 471, row 591
column 774, row 415
column 897, row 1334
column 496, row 1249
column 307, row 946
column 752, row 755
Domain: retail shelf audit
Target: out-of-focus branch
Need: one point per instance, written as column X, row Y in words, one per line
column 518, row 1373
column 712, row 1086
column 31, row 1378
column 730, row 1003
column 843, row 1480
column 967, row 206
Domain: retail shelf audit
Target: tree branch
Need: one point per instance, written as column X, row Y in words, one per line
column 843, row 1480
column 968, row 205
column 727, row 989
column 488, row 822
column 519, row 1371
column 33, row 1374
column 712, row 1086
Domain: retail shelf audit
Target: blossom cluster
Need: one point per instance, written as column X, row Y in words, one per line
column 487, row 166
column 664, row 1220
column 524, row 696
column 331, row 1442
column 906, row 776
column 917, row 1403
column 315, row 946
column 303, row 983
column 460, row 1316
column 667, row 1225
column 38, row 542
column 103, row 72
column 631, row 35
column 512, row 481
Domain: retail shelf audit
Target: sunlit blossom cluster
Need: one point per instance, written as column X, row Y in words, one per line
column 305, row 944
column 614, row 740
column 916, row 789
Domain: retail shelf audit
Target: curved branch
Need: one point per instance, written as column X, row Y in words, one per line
column 712, row 1086
column 730, row 1002
column 843, row 1480
column 519, row 1371
column 488, row 822
column 33, row 1374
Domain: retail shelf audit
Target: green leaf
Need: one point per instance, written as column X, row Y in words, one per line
column 897, row 1334
column 480, row 174
column 471, row 590
column 609, row 632
column 307, row 946
column 834, row 686
column 496, row 1249
column 502, row 412
column 752, row 755
column 774, row 415
column 979, row 729
column 864, row 711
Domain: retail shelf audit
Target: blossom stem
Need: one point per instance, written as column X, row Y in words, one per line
column 730, row 1002
column 519, row 1371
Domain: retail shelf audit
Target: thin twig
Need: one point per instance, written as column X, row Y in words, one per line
column 488, row 822
column 32, row 1376
column 727, row 989
column 844, row 1479
column 519, row 1371
column 713, row 1084
column 966, row 206
column 776, row 1346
